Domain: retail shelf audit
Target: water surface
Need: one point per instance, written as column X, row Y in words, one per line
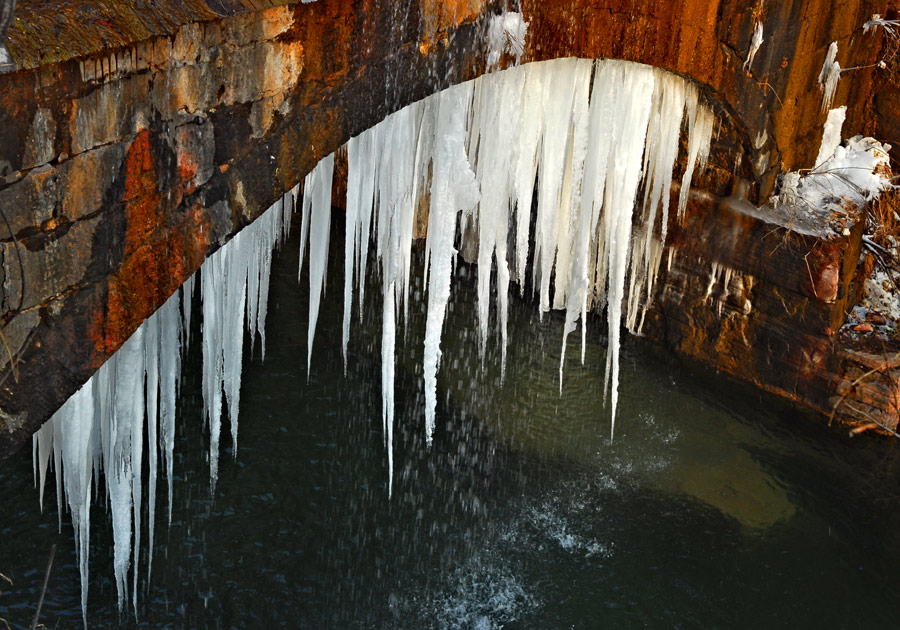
column 714, row 507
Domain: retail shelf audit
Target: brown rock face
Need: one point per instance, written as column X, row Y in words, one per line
column 137, row 138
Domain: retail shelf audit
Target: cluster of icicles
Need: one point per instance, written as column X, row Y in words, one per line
column 593, row 140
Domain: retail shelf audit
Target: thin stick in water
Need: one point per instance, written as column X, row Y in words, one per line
column 37, row 613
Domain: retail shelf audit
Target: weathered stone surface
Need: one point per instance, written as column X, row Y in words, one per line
column 16, row 334
column 110, row 113
column 86, row 179
column 31, row 202
column 40, row 141
column 746, row 295
column 53, row 262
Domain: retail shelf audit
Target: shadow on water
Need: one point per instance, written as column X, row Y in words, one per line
column 714, row 507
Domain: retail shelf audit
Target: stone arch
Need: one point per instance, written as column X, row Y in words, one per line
column 156, row 133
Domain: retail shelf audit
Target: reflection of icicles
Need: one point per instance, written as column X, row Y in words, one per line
column 103, row 424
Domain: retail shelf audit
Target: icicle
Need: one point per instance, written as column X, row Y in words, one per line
column 600, row 130
column 700, row 127
column 664, row 129
column 569, row 208
column 171, row 331
column 151, row 352
column 212, row 281
column 557, row 106
column 316, row 227
column 499, row 98
column 528, row 139
column 632, row 117
column 453, row 188
column 351, row 233
column 77, row 416
column 187, row 299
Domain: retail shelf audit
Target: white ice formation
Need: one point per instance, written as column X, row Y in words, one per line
column 856, row 172
column 847, row 175
column 829, row 76
column 506, row 33
column 595, row 141
column 755, row 42
column 831, row 134
column 891, row 26
column 102, row 426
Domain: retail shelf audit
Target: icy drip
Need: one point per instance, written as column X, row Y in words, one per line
column 831, row 134
column 755, row 43
column 102, row 426
column 829, row 76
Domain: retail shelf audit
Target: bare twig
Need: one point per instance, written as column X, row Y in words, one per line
column 880, row 425
column 848, row 390
column 37, row 613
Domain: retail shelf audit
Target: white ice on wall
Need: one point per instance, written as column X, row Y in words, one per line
column 102, row 426
column 856, row 172
column 506, row 33
column 891, row 26
column 831, row 134
column 755, row 42
column 829, row 76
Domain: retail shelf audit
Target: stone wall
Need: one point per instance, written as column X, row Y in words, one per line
column 136, row 138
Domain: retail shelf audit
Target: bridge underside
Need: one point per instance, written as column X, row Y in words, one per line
column 135, row 141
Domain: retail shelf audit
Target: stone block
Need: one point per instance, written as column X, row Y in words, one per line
column 15, row 335
column 31, row 201
column 195, row 146
column 41, row 136
column 186, row 47
column 109, row 113
column 262, row 113
column 87, row 177
column 58, row 264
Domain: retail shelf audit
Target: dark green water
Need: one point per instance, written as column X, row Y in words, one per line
column 715, row 507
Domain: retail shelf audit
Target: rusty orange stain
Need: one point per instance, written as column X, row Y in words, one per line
column 160, row 252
